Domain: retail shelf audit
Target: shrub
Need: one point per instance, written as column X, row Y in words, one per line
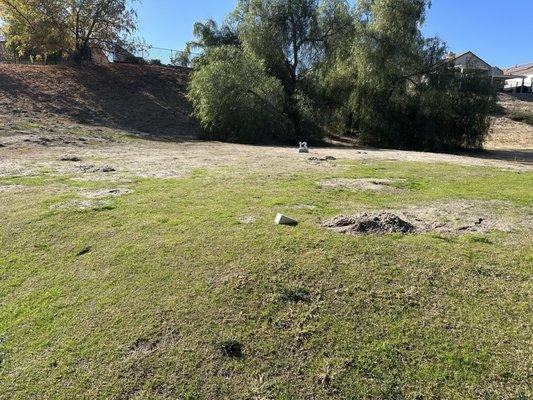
column 235, row 99
column 520, row 116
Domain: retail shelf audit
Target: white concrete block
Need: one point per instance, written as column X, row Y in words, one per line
column 284, row 220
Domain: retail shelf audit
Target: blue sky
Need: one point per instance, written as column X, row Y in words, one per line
column 500, row 32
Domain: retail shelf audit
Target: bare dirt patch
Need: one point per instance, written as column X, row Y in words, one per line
column 148, row 99
column 370, row 223
column 467, row 216
column 505, row 133
column 365, row 184
column 508, row 134
column 247, row 219
column 12, row 188
column 449, row 218
column 97, row 147
column 98, row 194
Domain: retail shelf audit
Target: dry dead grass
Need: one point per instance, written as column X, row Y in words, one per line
column 506, row 133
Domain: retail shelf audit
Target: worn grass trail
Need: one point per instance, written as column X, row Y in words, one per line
column 168, row 277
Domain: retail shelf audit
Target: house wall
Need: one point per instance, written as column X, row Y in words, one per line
column 512, row 83
column 470, row 61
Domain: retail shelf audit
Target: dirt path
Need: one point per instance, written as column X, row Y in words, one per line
column 101, row 153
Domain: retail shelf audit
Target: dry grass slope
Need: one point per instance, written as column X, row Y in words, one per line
column 146, row 99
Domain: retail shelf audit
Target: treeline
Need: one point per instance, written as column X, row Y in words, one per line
column 293, row 70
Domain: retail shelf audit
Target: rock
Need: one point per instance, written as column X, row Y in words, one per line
column 284, row 220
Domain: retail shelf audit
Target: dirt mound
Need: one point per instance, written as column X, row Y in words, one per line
column 146, row 99
column 370, row 223
column 450, row 218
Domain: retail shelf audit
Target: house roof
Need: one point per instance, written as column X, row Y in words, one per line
column 524, row 69
column 456, row 56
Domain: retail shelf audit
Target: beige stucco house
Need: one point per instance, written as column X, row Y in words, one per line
column 520, row 78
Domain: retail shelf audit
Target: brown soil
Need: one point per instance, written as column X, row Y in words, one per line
column 506, row 133
column 148, row 99
column 99, row 194
column 370, row 223
column 454, row 217
column 370, row 184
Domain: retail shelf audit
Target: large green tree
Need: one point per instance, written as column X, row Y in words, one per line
column 235, row 99
column 66, row 27
column 366, row 71
column 403, row 93
column 291, row 37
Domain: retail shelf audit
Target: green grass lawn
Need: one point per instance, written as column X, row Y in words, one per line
column 171, row 279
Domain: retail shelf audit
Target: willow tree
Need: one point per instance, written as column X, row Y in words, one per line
column 366, row 72
column 406, row 94
column 66, row 27
column 291, row 38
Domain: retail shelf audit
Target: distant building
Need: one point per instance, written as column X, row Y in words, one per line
column 121, row 55
column 468, row 61
column 519, row 78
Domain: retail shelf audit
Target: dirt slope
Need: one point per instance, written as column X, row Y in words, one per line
column 147, row 99
column 506, row 133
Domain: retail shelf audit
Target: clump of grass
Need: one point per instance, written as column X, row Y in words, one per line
column 520, row 116
column 479, row 239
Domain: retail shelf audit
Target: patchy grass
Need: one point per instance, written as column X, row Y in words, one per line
column 166, row 295
column 520, row 116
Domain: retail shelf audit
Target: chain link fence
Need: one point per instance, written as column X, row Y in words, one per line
column 158, row 55
column 147, row 53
